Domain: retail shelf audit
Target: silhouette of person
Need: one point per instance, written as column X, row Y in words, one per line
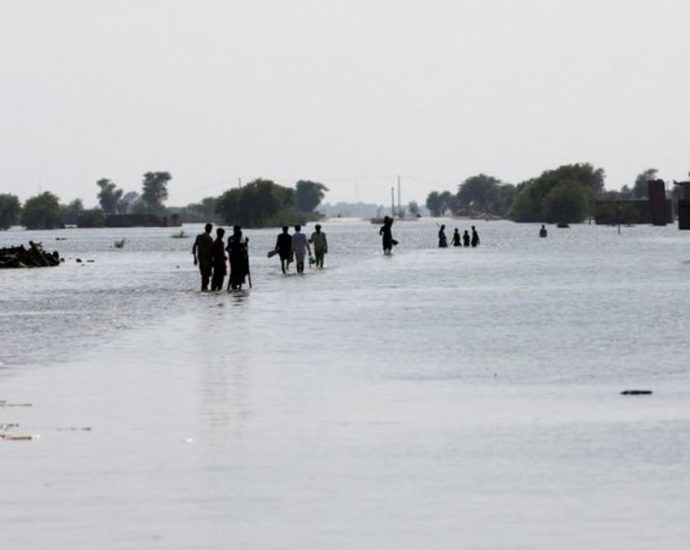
column 300, row 247
column 475, row 237
column 284, row 248
column 219, row 265
column 386, row 233
column 239, row 258
column 543, row 232
column 456, row 238
column 442, row 240
column 202, row 255
column 318, row 239
column 466, row 238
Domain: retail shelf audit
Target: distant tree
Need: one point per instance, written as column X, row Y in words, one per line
column 448, row 202
column 440, row 203
column 640, row 188
column 42, row 212
column 308, row 195
column 485, row 194
column 528, row 202
column 155, row 191
column 258, row 204
column 625, row 193
column 10, row 209
column 413, row 209
column 477, row 193
column 72, row 211
column 109, row 195
column 565, row 202
column 434, row 203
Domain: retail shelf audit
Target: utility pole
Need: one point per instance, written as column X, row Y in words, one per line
column 399, row 201
column 392, row 202
column 239, row 183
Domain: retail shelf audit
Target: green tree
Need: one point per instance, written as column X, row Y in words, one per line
column 565, row 202
column 413, row 209
column 434, row 203
column 72, row 211
column 527, row 205
column 640, row 188
column 308, row 195
column 10, row 209
column 155, row 191
column 477, row 193
column 440, row 203
column 108, row 196
column 260, row 203
column 42, row 212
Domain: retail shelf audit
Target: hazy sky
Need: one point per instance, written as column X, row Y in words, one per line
column 350, row 93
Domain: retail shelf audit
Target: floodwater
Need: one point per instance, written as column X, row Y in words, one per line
column 433, row 399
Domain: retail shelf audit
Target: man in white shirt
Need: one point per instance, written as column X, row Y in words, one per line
column 300, row 247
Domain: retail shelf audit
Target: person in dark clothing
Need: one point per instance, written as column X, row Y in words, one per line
column 219, row 266
column 543, row 232
column 456, row 238
column 386, row 233
column 284, row 249
column 475, row 237
column 442, row 240
column 239, row 258
column 466, row 239
column 202, row 255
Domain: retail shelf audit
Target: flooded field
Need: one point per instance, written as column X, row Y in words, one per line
column 442, row 398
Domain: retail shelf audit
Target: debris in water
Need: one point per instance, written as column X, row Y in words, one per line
column 17, row 437
column 6, row 404
column 636, row 392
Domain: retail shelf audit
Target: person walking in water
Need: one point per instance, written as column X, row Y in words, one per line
column 466, row 239
column 456, row 238
column 202, row 255
column 300, row 247
column 475, row 237
column 543, row 232
column 239, row 259
column 386, row 233
column 442, row 240
column 318, row 239
column 220, row 269
column 284, row 248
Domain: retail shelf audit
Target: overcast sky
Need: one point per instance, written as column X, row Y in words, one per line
column 350, row 93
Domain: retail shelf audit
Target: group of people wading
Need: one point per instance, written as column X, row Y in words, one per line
column 295, row 248
column 458, row 240
column 209, row 255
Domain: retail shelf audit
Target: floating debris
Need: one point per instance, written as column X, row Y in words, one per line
column 17, row 437
column 636, row 392
column 34, row 256
column 6, row 404
column 120, row 243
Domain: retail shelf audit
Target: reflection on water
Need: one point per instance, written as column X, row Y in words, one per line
column 382, row 402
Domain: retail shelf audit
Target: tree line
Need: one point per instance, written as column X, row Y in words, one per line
column 257, row 204
column 565, row 194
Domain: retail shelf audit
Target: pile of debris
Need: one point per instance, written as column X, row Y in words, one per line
column 34, row 256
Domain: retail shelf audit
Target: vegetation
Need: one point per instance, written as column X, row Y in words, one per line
column 42, row 212
column 10, row 210
column 109, row 196
column 308, row 195
column 71, row 212
column 155, row 192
